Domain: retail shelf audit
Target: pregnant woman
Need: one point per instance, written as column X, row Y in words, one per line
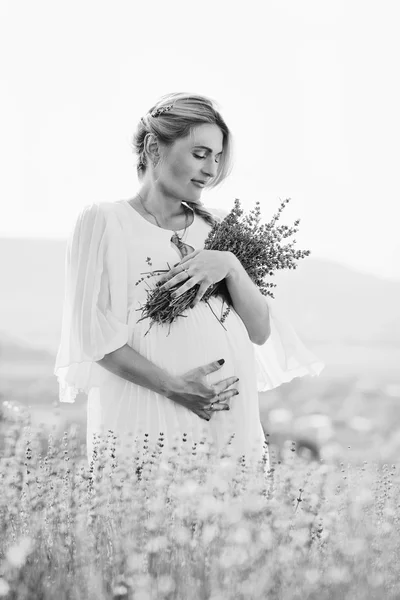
column 193, row 376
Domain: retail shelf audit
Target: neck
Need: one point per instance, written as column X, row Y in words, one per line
column 165, row 207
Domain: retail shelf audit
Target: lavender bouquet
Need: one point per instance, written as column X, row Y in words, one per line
column 260, row 249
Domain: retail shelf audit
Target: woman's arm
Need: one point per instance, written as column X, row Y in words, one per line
column 190, row 390
column 248, row 301
column 132, row 366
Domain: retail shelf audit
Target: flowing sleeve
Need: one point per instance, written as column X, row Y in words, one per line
column 283, row 356
column 94, row 320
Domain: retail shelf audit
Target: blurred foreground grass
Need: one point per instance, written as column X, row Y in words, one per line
column 350, row 412
column 180, row 525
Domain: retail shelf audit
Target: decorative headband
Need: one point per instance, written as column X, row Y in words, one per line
column 160, row 111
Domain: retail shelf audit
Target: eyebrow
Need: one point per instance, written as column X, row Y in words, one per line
column 209, row 149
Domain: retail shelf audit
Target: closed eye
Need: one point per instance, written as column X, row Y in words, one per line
column 202, row 157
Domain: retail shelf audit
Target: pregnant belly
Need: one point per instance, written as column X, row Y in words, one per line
column 193, row 340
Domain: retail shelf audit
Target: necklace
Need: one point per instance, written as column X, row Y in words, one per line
column 176, row 239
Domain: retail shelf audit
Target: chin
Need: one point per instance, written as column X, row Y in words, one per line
column 194, row 195
column 195, row 200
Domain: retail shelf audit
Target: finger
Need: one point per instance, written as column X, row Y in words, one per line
column 176, row 269
column 221, row 386
column 190, row 283
column 202, row 290
column 224, row 396
column 167, row 274
column 211, row 367
column 204, row 415
column 174, row 280
column 218, row 406
column 163, row 280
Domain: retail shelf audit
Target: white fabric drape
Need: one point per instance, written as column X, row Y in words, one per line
column 95, row 304
column 95, row 314
column 283, row 356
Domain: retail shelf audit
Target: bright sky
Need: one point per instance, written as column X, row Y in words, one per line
column 310, row 90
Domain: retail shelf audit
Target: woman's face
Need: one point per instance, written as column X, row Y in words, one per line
column 195, row 157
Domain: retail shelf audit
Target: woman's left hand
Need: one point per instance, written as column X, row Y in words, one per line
column 203, row 267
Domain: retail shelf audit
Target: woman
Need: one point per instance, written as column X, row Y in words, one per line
column 194, row 377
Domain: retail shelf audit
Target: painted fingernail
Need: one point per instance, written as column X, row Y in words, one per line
column 236, row 393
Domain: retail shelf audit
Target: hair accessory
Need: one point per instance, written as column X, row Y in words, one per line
column 160, row 111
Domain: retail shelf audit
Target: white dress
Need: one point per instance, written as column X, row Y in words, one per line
column 106, row 255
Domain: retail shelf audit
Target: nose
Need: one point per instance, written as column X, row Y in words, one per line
column 210, row 167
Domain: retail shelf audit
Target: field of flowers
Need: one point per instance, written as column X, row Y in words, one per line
column 179, row 524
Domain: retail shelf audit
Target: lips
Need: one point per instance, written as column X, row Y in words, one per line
column 201, row 183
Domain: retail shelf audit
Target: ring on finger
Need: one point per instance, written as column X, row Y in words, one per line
column 185, row 269
column 214, row 401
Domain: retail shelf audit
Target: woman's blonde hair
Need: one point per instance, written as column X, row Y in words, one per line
column 187, row 112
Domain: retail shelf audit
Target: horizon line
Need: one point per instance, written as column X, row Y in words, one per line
column 362, row 271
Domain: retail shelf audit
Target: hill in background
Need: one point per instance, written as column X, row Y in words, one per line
column 325, row 301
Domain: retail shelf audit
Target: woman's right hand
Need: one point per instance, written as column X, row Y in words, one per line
column 192, row 391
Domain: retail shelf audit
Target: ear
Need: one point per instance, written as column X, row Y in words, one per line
column 151, row 146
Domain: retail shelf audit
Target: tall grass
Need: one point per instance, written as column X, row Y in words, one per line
column 179, row 524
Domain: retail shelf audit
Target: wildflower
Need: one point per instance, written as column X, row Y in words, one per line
column 166, row 584
column 17, row 554
column 181, row 536
column 354, row 546
column 210, row 531
column 226, row 464
column 209, row 506
column 156, row 505
column 254, row 504
column 266, row 537
column 218, row 482
column 164, row 467
column 241, row 536
column 158, row 543
column 232, row 556
column 4, row 587
column 376, row 579
column 227, row 557
column 389, row 512
column 312, row 576
column 325, row 534
column 153, row 523
column 135, row 561
column 188, row 489
column 301, row 536
column 338, row 574
column 385, row 528
column 233, row 513
column 142, row 581
column 364, row 496
column 120, row 590
column 143, row 595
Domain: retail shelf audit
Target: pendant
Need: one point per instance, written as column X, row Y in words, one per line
column 183, row 249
